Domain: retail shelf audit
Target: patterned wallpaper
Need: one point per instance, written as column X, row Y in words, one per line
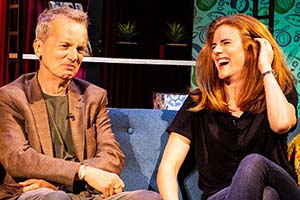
column 286, row 26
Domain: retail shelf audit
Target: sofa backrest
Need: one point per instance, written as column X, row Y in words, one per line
column 142, row 136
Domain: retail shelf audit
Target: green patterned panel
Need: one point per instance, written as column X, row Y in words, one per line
column 286, row 26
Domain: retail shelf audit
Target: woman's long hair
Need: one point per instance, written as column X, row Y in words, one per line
column 211, row 93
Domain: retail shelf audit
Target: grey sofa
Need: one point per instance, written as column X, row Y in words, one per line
column 142, row 137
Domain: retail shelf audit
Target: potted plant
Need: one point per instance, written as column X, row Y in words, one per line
column 126, row 40
column 175, row 46
column 126, row 32
column 176, row 33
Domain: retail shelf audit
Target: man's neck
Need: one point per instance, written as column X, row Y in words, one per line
column 54, row 86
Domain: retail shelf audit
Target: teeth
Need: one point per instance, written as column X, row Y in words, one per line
column 223, row 61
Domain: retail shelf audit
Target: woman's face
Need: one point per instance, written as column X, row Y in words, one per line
column 228, row 52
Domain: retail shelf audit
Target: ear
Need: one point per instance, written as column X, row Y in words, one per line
column 38, row 47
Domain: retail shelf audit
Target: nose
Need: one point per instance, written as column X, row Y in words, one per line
column 73, row 55
column 217, row 49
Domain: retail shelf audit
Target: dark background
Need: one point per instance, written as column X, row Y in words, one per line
column 128, row 85
column 133, row 85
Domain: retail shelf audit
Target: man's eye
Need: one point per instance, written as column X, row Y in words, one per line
column 81, row 50
column 64, row 46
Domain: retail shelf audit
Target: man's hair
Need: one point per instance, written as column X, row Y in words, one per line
column 48, row 15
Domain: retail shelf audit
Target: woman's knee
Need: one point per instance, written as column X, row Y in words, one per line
column 253, row 165
column 254, row 161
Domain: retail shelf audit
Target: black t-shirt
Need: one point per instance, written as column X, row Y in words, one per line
column 220, row 141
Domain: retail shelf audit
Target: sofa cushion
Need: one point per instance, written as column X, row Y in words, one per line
column 142, row 136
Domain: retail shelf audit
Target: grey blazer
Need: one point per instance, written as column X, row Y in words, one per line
column 26, row 149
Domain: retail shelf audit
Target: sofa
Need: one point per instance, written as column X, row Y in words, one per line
column 142, row 136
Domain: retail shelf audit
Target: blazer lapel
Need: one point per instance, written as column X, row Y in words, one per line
column 76, row 108
column 39, row 110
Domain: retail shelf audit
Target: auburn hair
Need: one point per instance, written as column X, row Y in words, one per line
column 210, row 93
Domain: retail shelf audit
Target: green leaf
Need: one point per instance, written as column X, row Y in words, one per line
column 176, row 32
column 126, row 32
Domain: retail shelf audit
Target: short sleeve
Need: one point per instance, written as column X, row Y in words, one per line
column 292, row 97
column 182, row 122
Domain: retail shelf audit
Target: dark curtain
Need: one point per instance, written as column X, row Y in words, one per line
column 31, row 11
column 128, row 86
column 4, row 43
column 103, row 17
column 10, row 68
column 123, row 82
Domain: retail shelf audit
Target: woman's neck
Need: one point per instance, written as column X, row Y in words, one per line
column 233, row 91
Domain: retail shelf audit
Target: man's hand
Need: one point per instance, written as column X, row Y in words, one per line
column 105, row 182
column 33, row 184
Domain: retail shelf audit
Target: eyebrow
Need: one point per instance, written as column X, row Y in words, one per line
column 223, row 40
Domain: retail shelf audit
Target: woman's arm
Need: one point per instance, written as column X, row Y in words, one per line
column 173, row 157
column 281, row 113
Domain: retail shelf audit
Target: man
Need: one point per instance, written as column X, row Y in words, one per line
column 56, row 140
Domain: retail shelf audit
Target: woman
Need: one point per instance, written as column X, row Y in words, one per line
column 237, row 121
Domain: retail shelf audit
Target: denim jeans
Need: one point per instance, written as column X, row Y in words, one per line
column 49, row 194
column 258, row 178
column 43, row 194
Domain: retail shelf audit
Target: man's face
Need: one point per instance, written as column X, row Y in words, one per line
column 62, row 52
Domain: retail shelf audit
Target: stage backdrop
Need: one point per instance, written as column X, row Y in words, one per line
column 286, row 26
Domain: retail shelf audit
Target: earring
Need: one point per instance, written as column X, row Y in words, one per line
column 40, row 57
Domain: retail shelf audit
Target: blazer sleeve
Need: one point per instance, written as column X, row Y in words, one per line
column 107, row 155
column 21, row 154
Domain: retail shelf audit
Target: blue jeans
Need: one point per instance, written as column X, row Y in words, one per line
column 49, row 194
column 258, row 178
column 43, row 194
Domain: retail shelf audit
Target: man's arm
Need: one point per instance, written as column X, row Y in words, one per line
column 103, row 151
column 21, row 153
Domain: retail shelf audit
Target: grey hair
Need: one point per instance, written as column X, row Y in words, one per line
column 48, row 15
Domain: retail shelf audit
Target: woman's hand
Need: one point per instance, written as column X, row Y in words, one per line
column 281, row 113
column 266, row 55
column 33, row 184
